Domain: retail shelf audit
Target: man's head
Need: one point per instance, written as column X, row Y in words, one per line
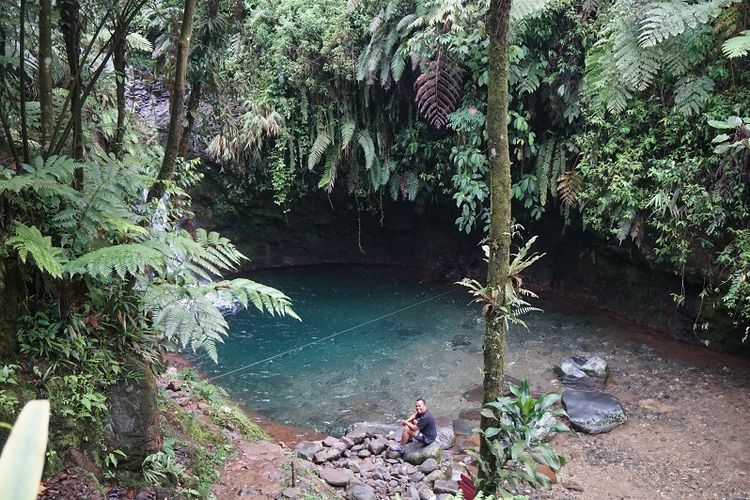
column 420, row 406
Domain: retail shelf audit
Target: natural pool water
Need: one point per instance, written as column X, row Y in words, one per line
column 389, row 354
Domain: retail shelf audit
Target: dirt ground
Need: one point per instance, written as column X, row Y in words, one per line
column 686, row 436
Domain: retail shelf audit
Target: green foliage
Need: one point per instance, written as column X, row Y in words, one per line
column 514, row 293
column 738, row 46
column 514, row 437
column 28, row 241
column 162, row 467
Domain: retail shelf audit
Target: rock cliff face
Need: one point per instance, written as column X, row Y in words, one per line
column 320, row 230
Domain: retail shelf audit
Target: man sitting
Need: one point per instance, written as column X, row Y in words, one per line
column 420, row 426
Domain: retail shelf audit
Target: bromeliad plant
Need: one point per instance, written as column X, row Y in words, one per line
column 516, row 438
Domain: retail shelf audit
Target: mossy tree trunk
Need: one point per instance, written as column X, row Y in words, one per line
column 176, row 103
column 45, row 72
column 499, row 237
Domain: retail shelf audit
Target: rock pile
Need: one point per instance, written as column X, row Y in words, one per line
column 590, row 409
column 362, row 463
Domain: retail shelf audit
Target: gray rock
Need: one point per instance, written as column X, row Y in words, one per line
column 428, row 466
column 596, row 367
column 336, row 477
column 416, row 453
column 308, row 449
column 593, row 412
column 333, row 454
column 354, row 465
column 434, row 476
column 425, row 492
column 134, row 416
column 330, row 441
column 347, row 441
column 363, row 453
column 378, row 445
column 542, row 428
column 416, row 477
column 444, row 486
column 445, row 434
column 360, row 492
column 291, row 493
column 445, row 496
column 373, row 428
column 356, row 437
column 367, row 466
column 320, row 457
column 381, row 473
column 571, row 375
column 411, row 494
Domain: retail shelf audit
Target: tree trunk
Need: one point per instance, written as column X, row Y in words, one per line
column 176, row 103
column 197, row 88
column 499, row 238
column 192, row 110
column 3, row 88
column 120, row 68
column 70, row 24
column 22, row 81
column 45, row 72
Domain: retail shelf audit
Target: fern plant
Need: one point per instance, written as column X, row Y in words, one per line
column 97, row 235
column 515, row 294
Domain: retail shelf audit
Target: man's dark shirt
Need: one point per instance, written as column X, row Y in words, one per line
column 427, row 425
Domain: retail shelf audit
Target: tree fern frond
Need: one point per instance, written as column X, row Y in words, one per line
column 131, row 258
column 569, row 187
column 28, row 241
column 319, row 147
column 524, row 9
column 265, row 298
column 438, row 91
column 738, row 46
column 347, row 132
column 691, row 94
column 364, row 139
column 666, row 20
column 398, row 65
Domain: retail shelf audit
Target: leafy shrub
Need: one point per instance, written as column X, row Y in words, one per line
column 513, row 440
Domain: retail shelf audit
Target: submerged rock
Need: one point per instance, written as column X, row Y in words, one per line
column 593, row 412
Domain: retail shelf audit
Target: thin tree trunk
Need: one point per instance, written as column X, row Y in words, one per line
column 70, row 23
column 196, row 90
column 22, row 81
column 3, row 117
column 45, row 72
column 192, row 110
column 120, row 68
column 176, row 104
column 499, row 237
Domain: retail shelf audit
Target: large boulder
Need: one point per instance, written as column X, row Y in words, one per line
column 308, row 449
column 336, row 477
column 593, row 412
column 572, row 374
column 134, row 416
column 416, row 453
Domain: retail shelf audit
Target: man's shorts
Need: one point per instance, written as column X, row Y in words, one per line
column 423, row 439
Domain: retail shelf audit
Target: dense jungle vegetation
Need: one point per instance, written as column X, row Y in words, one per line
column 628, row 118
